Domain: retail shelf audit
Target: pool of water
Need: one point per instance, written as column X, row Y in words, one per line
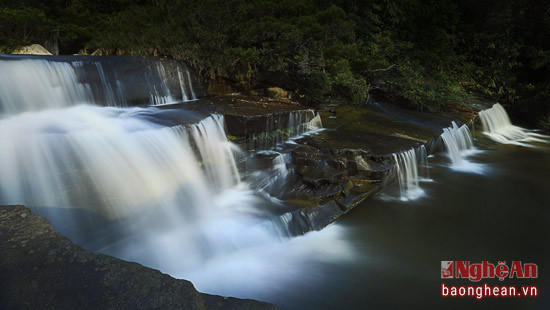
column 498, row 211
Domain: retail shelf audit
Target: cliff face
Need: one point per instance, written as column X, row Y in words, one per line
column 40, row 268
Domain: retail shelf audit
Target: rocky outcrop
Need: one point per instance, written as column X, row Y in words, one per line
column 40, row 268
column 34, row 49
column 352, row 159
column 253, row 122
column 334, row 170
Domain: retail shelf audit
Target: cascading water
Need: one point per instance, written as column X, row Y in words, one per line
column 58, row 84
column 52, row 85
column 497, row 126
column 406, row 164
column 301, row 123
column 457, row 140
column 167, row 197
column 423, row 154
column 109, row 160
column 280, row 129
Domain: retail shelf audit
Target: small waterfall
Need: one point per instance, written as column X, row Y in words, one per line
column 216, row 153
column 284, row 127
column 457, row 140
column 497, row 126
column 423, row 154
column 268, row 173
column 191, row 90
column 182, row 85
column 407, row 172
column 300, row 123
column 34, row 84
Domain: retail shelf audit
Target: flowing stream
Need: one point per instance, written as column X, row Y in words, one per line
column 75, row 150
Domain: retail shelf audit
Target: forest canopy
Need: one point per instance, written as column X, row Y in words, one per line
column 427, row 54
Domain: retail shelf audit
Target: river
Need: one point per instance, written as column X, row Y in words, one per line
column 116, row 180
column 499, row 212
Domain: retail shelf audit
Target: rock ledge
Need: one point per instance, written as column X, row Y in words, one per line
column 40, row 268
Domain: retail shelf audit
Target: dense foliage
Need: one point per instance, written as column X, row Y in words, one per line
column 425, row 53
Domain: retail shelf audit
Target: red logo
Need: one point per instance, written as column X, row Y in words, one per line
column 446, row 269
column 486, row 270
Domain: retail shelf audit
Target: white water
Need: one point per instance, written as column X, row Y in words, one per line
column 38, row 84
column 497, row 126
column 299, row 123
column 75, row 156
column 459, row 144
column 161, row 202
column 407, row 173
column 169, row 198
column 29, row 85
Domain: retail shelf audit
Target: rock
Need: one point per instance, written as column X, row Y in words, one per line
column 262, row 160
column 40, row 268
column 34, row 49
column 276, row 92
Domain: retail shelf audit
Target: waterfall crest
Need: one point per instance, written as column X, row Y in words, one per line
column 34, row 84
column 497, row 126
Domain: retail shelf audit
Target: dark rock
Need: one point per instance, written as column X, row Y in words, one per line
column 261, row 160
column 42, row 269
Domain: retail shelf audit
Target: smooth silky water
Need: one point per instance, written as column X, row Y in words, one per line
column 501, row 213
column 171, row 198
column 117, row 181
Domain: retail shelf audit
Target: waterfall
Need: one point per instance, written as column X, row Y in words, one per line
column 407, row 173
column 110, row 160
column 118, row 184
column 457, row 140
column 114, row 181
column 191, row 90
column 268, row 173
column 300, row 123
column 27, row 85
column 284, row 127
column 497, row 126
column 34, row 84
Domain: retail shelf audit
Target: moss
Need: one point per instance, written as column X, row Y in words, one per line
column 231, row 138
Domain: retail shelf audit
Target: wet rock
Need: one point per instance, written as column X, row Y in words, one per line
column 42, row 269
column 262, row 160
